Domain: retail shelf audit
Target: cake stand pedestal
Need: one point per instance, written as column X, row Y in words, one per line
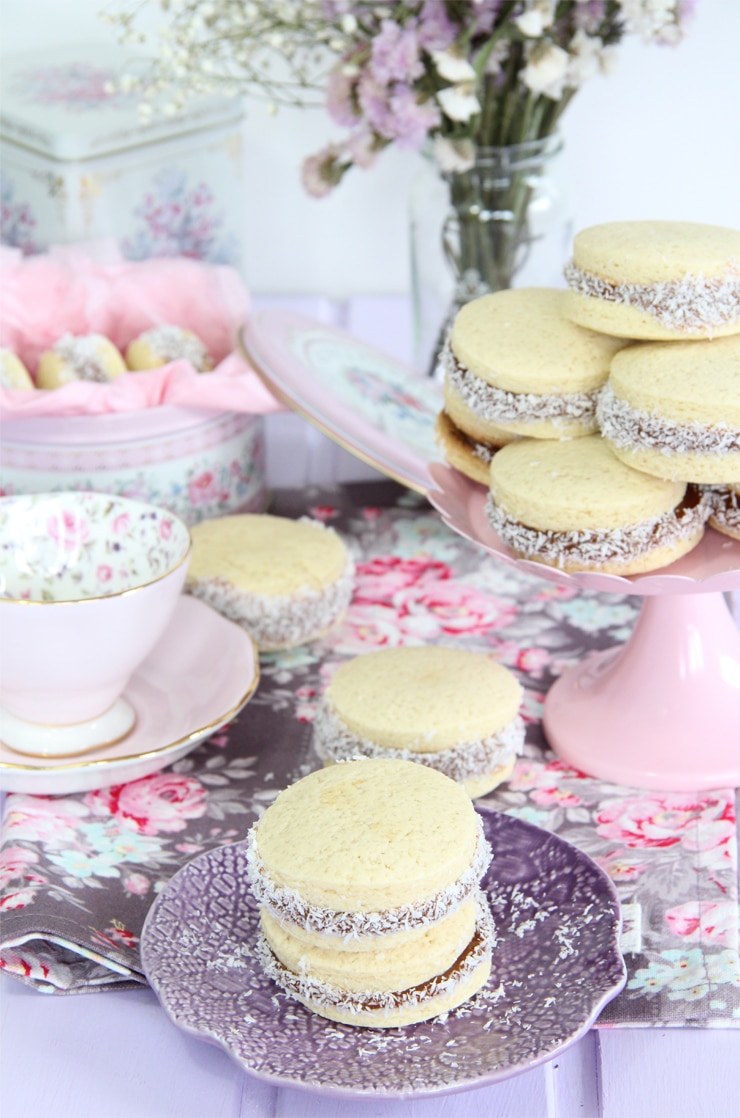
column 663, row 710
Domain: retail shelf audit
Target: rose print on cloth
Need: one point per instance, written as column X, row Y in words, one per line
column 164, row 802
column 93, row 863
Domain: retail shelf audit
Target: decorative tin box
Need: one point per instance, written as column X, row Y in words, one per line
column 79, row 164
column 193, row 442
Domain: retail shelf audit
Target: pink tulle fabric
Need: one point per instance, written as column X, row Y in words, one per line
column 87, row 289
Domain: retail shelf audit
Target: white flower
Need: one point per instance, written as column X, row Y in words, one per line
column 453, row 67
column 454, row 155
column 459, row 102
column 585, row 58
column 546, row 70
column 533, row 21
column 654, row 20
column 608, row 61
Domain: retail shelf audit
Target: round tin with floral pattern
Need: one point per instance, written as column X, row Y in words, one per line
column 195, row 462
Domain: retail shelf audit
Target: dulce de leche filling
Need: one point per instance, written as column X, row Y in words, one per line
column 498, row 405
column 308, row 989
column 629, row 428
column 287, row 905
column 598, row 546
column 690, row 303
column 725, row 506
column 335, row 742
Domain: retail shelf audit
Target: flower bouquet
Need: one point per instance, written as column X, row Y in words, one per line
column 481, row 84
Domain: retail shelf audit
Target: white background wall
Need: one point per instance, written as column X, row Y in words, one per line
column 660, row 138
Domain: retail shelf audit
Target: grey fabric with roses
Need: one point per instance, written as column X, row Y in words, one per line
column 78, row 873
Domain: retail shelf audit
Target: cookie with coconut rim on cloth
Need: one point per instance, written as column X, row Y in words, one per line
column 13, row 373
column 656, row 280
column 368, row 878
column 674, row 410
column 574, row 505
column 515, row 366
column 284, row 581
column 451, row 709
column 79, row 357
column 166, row 343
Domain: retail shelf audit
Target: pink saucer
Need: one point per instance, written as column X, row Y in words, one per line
column 199, row 676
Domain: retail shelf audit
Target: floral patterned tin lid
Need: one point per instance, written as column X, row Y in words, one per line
column 63, row 104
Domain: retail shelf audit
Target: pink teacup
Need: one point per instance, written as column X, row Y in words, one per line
column 88, row 585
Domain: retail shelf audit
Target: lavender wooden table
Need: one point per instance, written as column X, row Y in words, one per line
column 116, row 1055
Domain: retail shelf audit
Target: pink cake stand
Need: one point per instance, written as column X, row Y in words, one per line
column 663, row 710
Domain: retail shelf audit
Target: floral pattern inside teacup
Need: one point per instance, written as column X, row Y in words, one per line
column 58, row 547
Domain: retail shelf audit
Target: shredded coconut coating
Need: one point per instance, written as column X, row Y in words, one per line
column 596, row 547
column 286, row 904
column 334, row 741
column 628, row 428
column 725, row 507
column 279, row 620
column 84, row 357
column 171, row 343
column 498, row 405
column 690, row 303
column 308, row 989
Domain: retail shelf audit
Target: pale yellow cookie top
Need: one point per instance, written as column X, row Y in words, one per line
column 13, row 373
column 645, row 252
column 519, row 340
column 370, row 835
column 262, row 554
column 576, row 484
column 424, row 698
column 690, row 382
column 90, row 357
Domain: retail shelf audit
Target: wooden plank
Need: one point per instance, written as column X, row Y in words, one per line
column 114, row 1054
column 523, row 1096
column 670, row 1073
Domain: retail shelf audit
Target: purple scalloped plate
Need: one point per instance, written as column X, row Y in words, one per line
column 556, row 965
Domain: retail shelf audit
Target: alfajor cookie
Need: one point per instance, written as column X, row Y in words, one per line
column 162, row 344
column 515, row 366
column 450, row 709
column 285, row 581
column 367, row 874
column 660, row 280
column 674, row 410
column 87, row 357
column 13, row 373
column 576, row 506
column 724, row 502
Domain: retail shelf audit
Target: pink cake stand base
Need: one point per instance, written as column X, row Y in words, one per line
column 663, row 710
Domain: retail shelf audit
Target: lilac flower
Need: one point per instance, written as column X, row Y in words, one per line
column 395, row 53
column 436, row 31
column 485, row 14
column 411, row 120
column 340, row 101
column 362, row 149
column 589, row 15
column 373, row 101
column 321, row 172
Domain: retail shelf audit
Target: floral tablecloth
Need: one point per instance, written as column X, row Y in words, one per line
column 79, row 872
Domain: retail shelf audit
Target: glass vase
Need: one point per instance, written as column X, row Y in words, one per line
column 502, row 223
